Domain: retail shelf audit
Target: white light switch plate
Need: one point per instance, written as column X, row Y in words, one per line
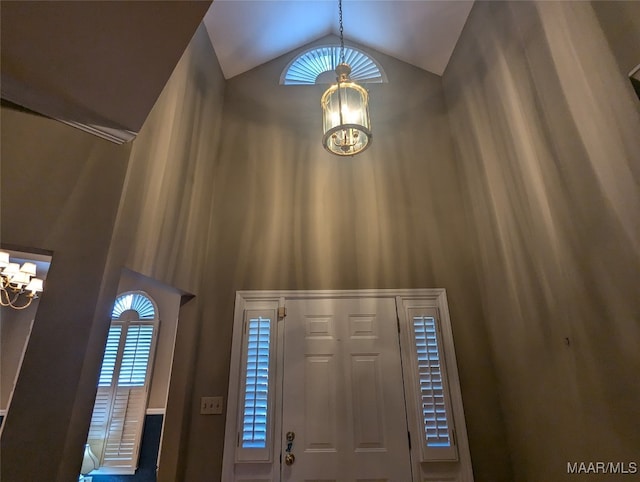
column 211, row 405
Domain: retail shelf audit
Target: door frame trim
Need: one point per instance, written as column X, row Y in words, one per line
column 269, row 295
column 460, row 471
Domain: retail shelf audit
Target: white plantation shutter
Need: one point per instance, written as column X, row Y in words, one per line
column 130, row 400
column 121, row 399
column 135, row 358
column 254, row 430
column 110, row 356
column 435, row 414
column 256, row 390
column 104, row 394
column 125, row 429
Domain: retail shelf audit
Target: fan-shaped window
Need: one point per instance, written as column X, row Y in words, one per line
column 136, row 301
column 317, row 66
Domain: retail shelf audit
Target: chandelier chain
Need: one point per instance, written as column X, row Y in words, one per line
column 341, row 32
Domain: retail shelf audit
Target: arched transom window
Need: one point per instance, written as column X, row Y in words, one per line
column 136, row 301
column 317, row 66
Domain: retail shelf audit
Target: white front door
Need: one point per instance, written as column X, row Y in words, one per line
column 342, row 392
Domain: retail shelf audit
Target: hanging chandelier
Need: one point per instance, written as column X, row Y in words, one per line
column 19, row 285
column 345, row 110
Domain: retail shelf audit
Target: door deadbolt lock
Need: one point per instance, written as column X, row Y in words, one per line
column 289, row 459
column 291, row 436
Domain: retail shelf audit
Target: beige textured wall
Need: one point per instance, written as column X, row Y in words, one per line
column 288, row 215
column 60, row 191
column 164, row 216
column 546, row 128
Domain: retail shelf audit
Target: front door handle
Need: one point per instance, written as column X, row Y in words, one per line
column 289, row 458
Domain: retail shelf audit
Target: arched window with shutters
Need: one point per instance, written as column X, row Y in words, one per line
column 317, row 65
column 123, row 386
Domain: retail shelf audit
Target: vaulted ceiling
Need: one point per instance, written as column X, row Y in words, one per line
column 247, row 33
column 102, row 65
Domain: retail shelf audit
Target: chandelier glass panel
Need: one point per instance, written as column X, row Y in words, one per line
column 345, row 111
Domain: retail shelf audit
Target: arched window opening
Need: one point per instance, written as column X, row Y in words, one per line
column 121, row 400
column 317, row 66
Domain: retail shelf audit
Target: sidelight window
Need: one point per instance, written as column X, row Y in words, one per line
column 428, row 391
column 256, row 386
column 435, row 422
column 256, row 391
